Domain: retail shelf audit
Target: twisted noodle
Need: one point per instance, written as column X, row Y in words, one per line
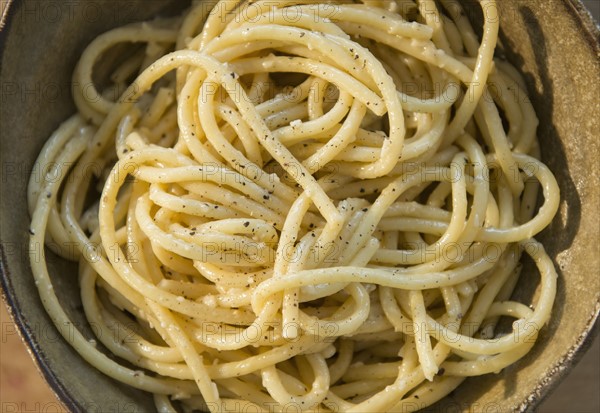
column 321, row 206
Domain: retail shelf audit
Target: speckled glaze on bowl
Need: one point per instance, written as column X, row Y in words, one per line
column 554, row 43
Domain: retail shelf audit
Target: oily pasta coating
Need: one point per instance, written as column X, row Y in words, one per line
column 318, row 206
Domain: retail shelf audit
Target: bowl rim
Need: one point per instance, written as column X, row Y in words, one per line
column 557, row 373
column 6, row 289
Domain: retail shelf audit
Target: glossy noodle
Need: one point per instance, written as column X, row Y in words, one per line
column 289, row 206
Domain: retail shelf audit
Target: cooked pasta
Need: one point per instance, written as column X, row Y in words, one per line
column 287, row 204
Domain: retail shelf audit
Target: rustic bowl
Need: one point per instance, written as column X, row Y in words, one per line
column 554, row 43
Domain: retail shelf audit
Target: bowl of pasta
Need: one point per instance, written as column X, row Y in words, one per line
column 274, row 206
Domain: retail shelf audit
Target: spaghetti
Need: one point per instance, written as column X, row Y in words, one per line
column 298, row 205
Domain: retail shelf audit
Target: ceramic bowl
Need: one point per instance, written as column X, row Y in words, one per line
column 554, row 43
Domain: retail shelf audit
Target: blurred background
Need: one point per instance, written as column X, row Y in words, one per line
column 23, row 390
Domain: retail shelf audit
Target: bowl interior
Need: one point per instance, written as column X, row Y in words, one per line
column 555, row 44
